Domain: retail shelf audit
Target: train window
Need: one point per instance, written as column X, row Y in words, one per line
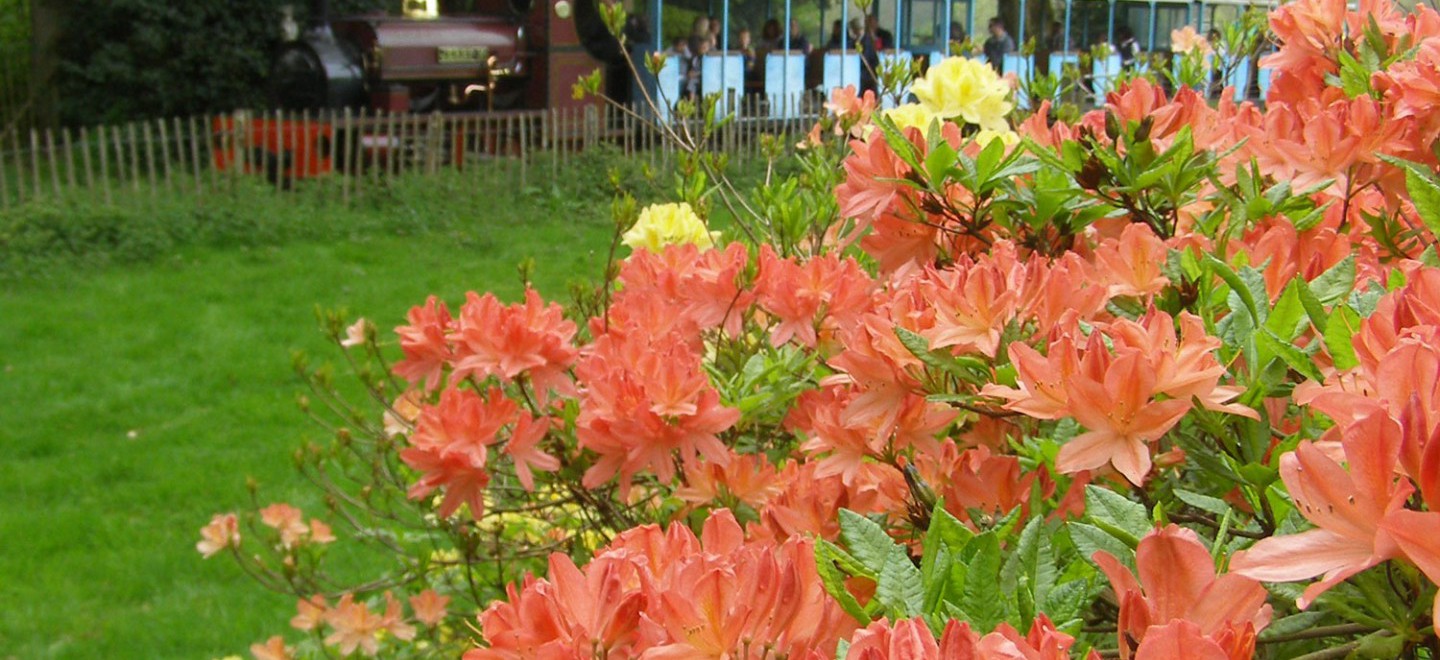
column 920, row 24
column 422, row 8
column 960, row 19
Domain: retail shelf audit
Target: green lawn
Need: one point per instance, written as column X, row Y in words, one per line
column 138, row 398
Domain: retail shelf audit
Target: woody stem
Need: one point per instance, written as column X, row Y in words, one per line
column 1340, row 630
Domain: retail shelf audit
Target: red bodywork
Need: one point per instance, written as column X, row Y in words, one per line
column 295, row 146
column 301, row 149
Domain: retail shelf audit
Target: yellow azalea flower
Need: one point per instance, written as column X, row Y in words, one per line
column 965, row 88
column 661, row 225
column 911, row 115
column 1007, row 137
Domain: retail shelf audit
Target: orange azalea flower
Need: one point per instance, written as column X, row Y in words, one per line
column 575, row 613
column 531, row 339
column 910, row 639
column 222, row 532
column 523, row 448
column 1122, row 420
column 748, row 478
column 355, row 333
column 287, row 520
column 900, row 245
column 463, row 477
column 701, row 286
column 872, row 172
column 429, row 607
column 1069, row 289
column 1414, row 532
column 425, row 343
column 1185, row 368
column 644, row 400
column 309, row 613
column 823, row 293
column 849, row 106
column 1177, row 583
column 807, row 503
column 273, row 649
column 1041, row 393
column 355, row 627
column 1132, row 263
column 320, row 532
column 846, row 443
column 1183, row 639
column 451, row 443
column 1346, row 507
column 394, row 620
column 907, row 639
column 973, row 304
column 401, row 416
column 976, row 479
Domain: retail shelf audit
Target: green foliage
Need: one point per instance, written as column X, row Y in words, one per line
column 82, row 231
column 130, row 59
column 1037, row 570
column 147, row 394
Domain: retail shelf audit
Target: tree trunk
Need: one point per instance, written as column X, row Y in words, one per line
column 47, row 21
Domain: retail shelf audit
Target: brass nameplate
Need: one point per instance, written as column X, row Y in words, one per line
column 462, row 55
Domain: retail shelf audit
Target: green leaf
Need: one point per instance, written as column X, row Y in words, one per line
column 867, row 541
column 1293, row 624
column 986, row 608
column 1204, row 503
column 1340, row 336
column 1287, row 318
column 939, row 162
column 1121, row 517
column 1066, row 600
column 1313, row 307
column 1424, row 189
column 1336, row 282
column 1287, row 352
column 1089, row 539
column 899, row 588
column 945, row 533
column 936, row 577
column 827, row 556
column 1031, row 565
column 1237, row 285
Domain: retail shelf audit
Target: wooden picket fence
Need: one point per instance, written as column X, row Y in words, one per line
column 353, row 153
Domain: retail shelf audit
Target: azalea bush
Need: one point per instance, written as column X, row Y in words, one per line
column 955, row 381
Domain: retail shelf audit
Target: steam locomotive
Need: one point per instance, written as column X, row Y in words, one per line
column 467, row 55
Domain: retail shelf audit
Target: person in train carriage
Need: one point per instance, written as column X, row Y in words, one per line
column 869, row 45
column 797, row 38
column 998, row 45
column 834, row 42
column 699, row 33
column 693, row 71
column 746, row 46
column 882, row 37
column 1126, row 47
column 770, row 36
column 1055, row 38
column 957, row 36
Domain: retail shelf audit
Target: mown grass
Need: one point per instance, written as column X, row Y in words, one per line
column 145, row 379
